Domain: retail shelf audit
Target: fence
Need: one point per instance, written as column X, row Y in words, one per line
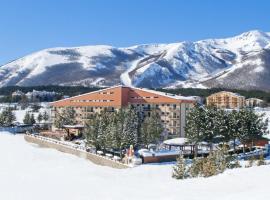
column 74, row 149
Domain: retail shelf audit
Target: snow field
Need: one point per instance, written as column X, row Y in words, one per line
column 29, row 172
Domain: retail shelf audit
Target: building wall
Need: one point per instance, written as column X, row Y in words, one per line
column 226, row 100
column 253, row 102
column 172, row 111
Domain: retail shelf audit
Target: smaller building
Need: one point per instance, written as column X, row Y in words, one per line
column 225, row 99
column 254, row 102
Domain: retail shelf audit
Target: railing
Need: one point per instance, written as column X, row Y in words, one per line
column 75, row 147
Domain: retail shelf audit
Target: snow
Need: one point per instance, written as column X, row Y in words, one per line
column 176, row 141
column 258, row 69
column 29, row 172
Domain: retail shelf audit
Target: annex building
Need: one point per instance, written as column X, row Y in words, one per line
column 172, row 108
column 225, row 99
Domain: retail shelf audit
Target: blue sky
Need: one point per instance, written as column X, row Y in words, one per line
column 30, row 25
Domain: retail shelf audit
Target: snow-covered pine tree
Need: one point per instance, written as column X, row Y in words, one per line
column 66, row 117
column 130, row 128
column 7, row 117
column 102, row 129
column 194, row 125
column 151, row 129
column 180, row 169
column 211, row 125
column 91, row 132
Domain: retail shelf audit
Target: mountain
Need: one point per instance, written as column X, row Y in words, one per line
column 241, row 62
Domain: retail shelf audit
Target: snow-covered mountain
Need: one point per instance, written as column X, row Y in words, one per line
column 241, row 62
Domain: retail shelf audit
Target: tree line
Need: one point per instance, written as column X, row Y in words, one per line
column 76, row 90
column 214, row 125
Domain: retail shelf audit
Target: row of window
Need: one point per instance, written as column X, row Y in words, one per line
column 139, row 97
column 106, row 93
column 93, row 100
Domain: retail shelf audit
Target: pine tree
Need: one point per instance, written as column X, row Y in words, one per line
column 66, row 117
column 130, row 128
column 91, row 131
column 27, row 118
column 32, row 119
column 151, row 129
column 102, row 129
column 195, row 169
column 209, row 167
column 7, row 117
column 45, row 116
column 180, row 169
column 39, row 117
column 194, row 125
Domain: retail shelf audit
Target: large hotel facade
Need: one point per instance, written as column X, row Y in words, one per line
column 172, row 108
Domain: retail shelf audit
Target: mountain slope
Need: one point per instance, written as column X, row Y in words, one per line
column 237, row 62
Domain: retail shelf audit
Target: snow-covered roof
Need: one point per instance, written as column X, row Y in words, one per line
column 135, row 88
column 176, row 141
column 169, row 95
column 74, row 126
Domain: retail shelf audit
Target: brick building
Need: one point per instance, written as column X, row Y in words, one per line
column 172, row 108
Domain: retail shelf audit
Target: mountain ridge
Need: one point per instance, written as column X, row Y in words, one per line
column 204, row 64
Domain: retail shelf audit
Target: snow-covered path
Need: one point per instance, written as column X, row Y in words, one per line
column 28, row 172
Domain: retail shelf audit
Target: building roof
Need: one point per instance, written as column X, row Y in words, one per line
column 167, row 95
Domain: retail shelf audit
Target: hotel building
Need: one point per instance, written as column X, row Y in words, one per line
column 172, row 108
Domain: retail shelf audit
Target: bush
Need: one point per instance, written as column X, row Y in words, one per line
column 217, row 162
column 261, row 160
column 250, row 162
column 196, row 167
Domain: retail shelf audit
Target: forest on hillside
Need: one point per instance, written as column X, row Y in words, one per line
column 76, row 90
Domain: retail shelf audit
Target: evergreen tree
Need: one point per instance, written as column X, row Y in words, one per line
column 130, row 128
column 102, row 129
column 39, row 117
column 91, row 131
column 151, row 129
column 7, row 117
column 66, row 117
column 32, row 119
column 194, row 125
column 45, row 116
column 27, row 118
column 180, row 169
column 210, row 126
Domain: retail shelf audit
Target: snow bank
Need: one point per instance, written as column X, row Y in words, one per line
column 29, row 172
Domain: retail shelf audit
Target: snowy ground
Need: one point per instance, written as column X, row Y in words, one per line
column 28, row 172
